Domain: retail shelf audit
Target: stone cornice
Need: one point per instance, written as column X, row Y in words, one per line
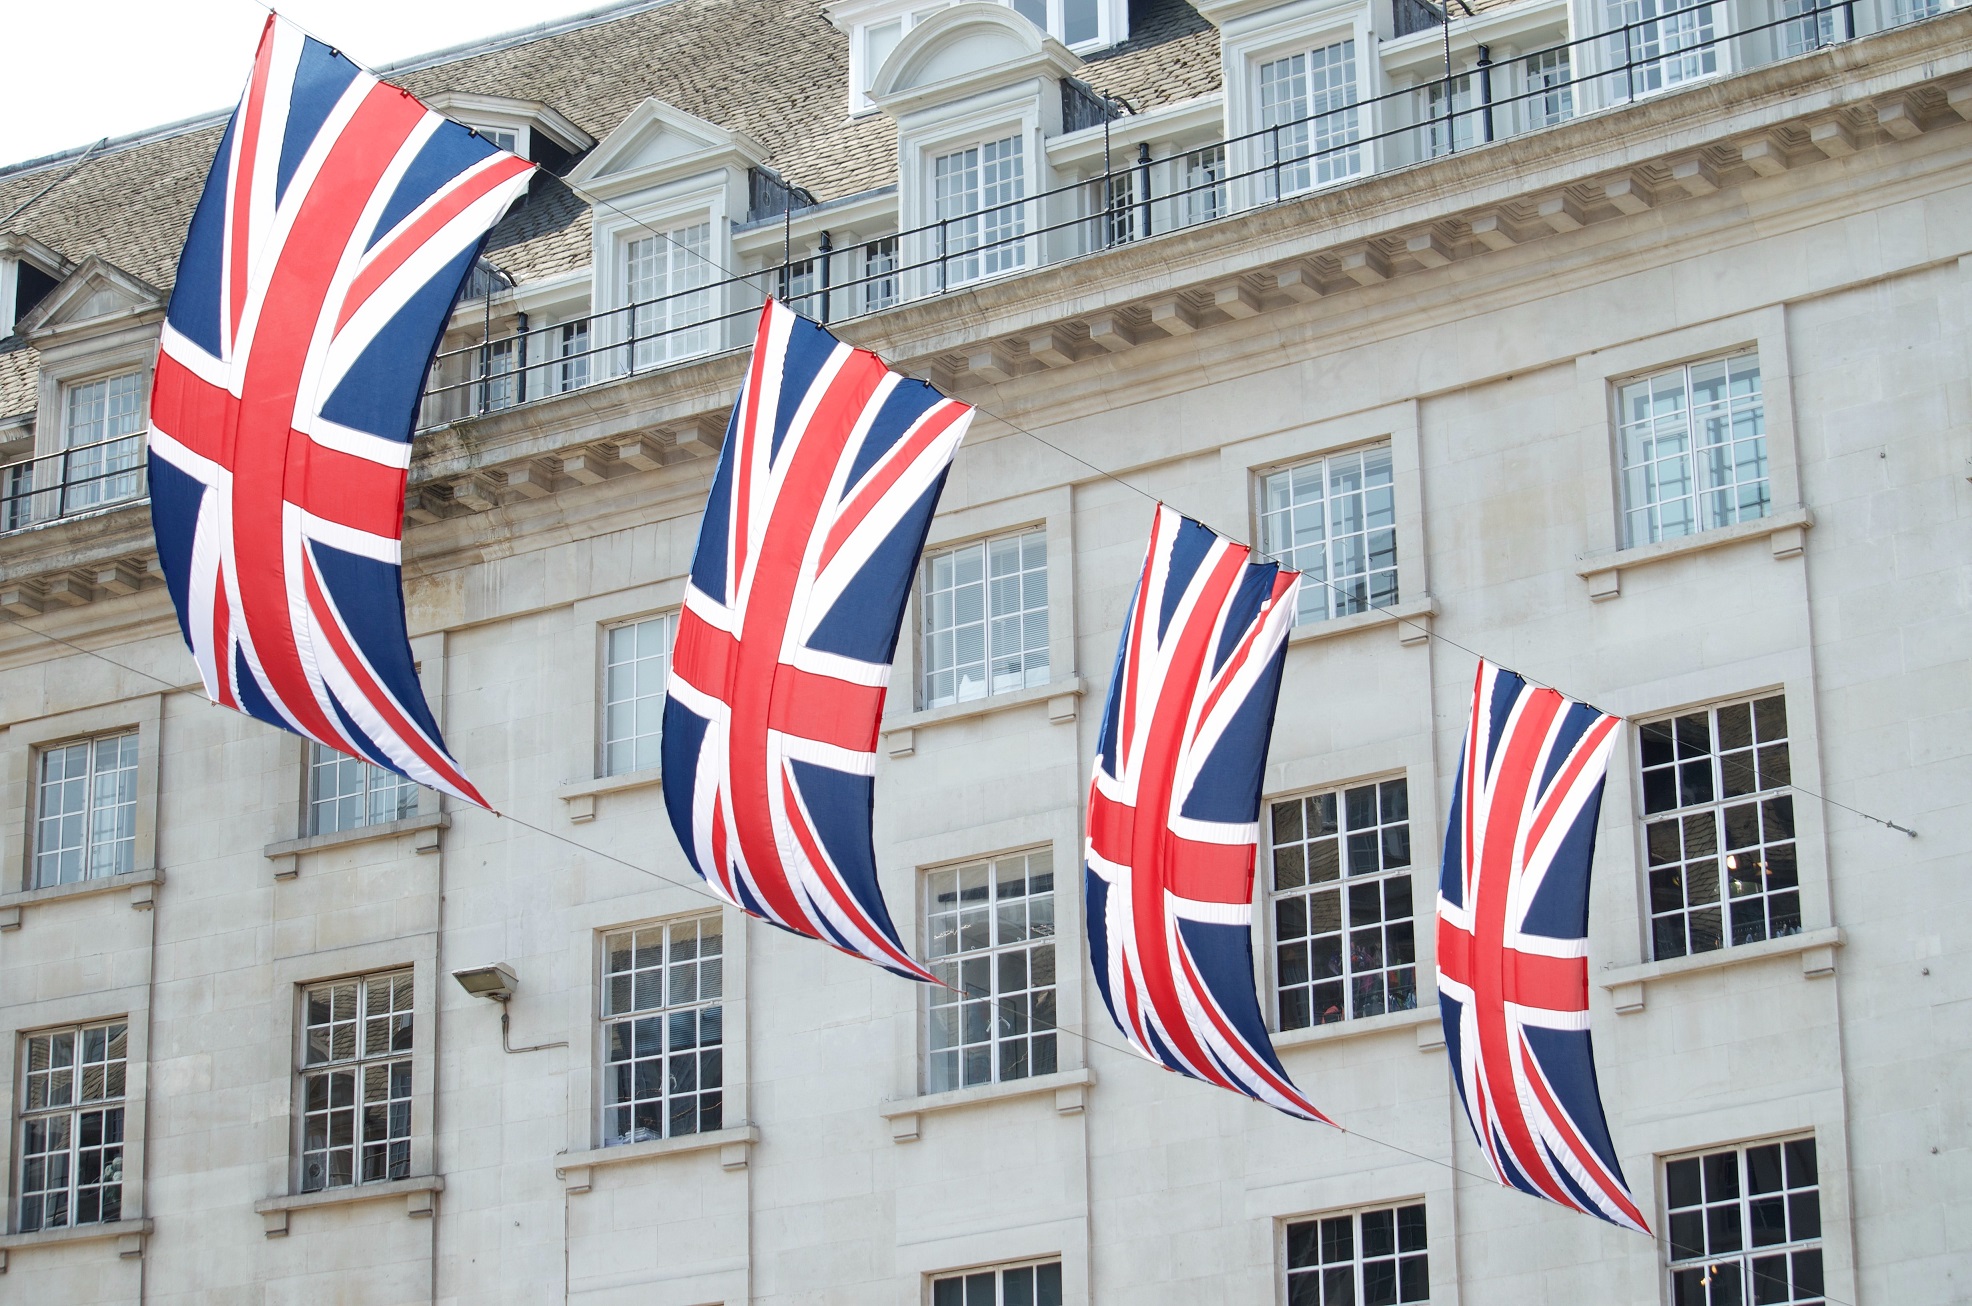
column 1546, row 209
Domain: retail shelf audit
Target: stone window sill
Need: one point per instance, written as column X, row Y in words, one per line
column 286, row 855
column 141, row 885
column 1412, row 619
column 900, row 732
column 1423, row 1018
column 1816, row 949
column 1785, row 531
column 128, row 1234
column 1070, row 1089
column 734, row 1145
column 579, row 796
column 419, row 1195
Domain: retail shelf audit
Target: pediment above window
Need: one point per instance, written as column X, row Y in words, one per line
column 530, row 128
column 963, row 50
column 657, row 145
column 95, row 296
column 28, row 271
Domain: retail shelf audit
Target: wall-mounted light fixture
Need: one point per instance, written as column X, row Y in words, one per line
column 497, row 981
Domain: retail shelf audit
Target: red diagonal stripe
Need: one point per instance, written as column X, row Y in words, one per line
column 413, row 238
column 887, row 473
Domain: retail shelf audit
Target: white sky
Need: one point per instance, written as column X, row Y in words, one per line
column 80, row 70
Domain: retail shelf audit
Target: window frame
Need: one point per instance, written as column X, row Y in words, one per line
column 1669, row 1265
column 602, row 1018
column 417, row 1123
column 1693, row 454
column 20, row 778
column 999, row 1271
column 669, row 616
column 993, row 951
column 589, row 925
column 1245, row 463
column 1243, row 55
column 1354, row 1213
column 988, row 617
column 1330, row 597
column 282, row 1136
column 90, row 812
column 22, row 1114
column 1265, row 895
column 1598, row 378
column 1051, row 510
column 312, row 762
column 1715, row 808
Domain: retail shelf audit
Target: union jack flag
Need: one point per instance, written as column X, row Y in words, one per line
column 338, row 221
column 1174, row 809
column 1513, row 971
column 826, row 484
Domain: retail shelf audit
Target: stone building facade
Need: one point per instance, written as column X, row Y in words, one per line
column 1630, row 345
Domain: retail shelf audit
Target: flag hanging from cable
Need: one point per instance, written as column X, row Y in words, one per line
column 1513, row 915
column 339, row 219
column 1174, row 808
column 825, row 488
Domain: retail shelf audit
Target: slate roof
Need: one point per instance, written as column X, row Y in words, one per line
column 774, row 69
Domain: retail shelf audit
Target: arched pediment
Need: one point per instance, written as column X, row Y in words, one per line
column 968, row 43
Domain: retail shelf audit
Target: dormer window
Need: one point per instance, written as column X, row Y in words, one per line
column 976, row 198
column 877, row 27
column 102, row 435
column 529, row 128
column 28, row 271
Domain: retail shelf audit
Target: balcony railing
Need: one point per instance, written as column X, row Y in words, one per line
column 1663, row 47
column 72, row 482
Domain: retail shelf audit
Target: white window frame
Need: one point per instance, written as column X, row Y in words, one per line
column 20, row 771
column 117, row 458
column 1743, row 1200
column 398, row 1078
column 1704, row 513
column 1551, row 96
column 930, row 602
column 684, row 306
column 606, row 739
column 77, row 1103
column 1389, row 930
column 121, row 846
column 1331, row 150
column 1319, row 602
column 965, row 944
column 1399, row 1257
column 1713, row 820
column 966, row 1281
column 661, row 1017
column 385, row 796
column 1598, row 378
column 991, row 238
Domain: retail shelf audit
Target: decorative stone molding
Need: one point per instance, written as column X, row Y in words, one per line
column 142, row 886
column 1815, row 948
column 734, row 1145
column 419, row 1195
column 129, row 1236
column 423, row 828
column 1070, row 1089
column 1786, row 532
column 579, row 796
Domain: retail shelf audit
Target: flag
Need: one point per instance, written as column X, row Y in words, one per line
column 1513, row 971
column 825, row 488
column 1174, row 806
column 338, row 221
